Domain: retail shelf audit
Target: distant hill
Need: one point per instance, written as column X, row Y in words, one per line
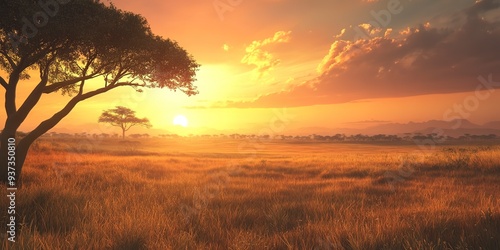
column 448, row 127
column 493, row 124
column 462, row 131
column 420, row 127
column 312, row 130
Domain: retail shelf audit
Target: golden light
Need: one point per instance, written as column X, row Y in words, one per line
column 181, row 121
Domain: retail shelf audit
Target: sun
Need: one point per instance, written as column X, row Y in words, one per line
column 181, row 120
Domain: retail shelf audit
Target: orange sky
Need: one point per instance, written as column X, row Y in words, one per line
column 417, row 60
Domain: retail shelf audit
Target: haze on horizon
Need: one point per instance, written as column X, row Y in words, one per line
column 321, row 64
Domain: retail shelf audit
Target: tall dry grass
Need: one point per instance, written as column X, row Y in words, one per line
column 194, row 195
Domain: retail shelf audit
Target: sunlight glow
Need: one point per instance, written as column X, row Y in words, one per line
column 180, row 120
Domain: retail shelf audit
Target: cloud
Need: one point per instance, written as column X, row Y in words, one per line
column 420, row 60
column 257, row 55
column 482, row 6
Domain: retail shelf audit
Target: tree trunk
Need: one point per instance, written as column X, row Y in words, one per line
column 123, row 134
column 4, row 156
column 8, row 132
column 12, row 123
column 21, row 151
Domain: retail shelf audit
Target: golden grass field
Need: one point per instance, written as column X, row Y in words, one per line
column 231, row 194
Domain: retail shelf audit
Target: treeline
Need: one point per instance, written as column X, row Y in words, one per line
column 312, row 137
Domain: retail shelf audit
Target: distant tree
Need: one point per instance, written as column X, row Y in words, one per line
column 64, row 45
column 124, row 118
column 135, row 136
column 339, row 137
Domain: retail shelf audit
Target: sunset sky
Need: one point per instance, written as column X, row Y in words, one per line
column 340, row 63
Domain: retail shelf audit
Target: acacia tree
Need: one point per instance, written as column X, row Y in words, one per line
column 123, row 118
column 80, row 48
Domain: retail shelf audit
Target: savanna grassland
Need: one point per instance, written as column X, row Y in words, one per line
column 234, row 194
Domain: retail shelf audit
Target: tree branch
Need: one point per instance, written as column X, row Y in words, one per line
column 84, row 72
column 35, row 57
column 131, row 125
column 82, row 84
column 131, row 84
column 33, row 98
column 11, row 62
column 58, row 85
column 10, row 93
column 3, row 82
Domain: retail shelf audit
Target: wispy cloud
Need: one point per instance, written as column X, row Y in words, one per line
column 258, row 54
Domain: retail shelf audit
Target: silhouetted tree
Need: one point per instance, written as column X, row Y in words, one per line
column 83, row 40
column 124, row 118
